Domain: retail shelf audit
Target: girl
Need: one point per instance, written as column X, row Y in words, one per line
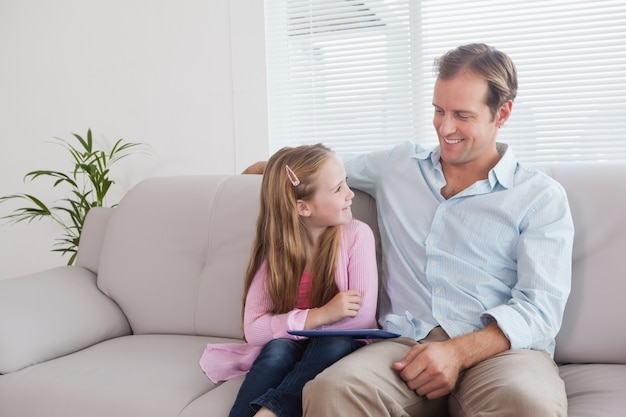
column 312, row 267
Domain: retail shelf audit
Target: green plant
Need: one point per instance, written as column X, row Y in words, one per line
column 88, row 183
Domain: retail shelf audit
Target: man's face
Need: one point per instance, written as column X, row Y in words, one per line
column 465, row 126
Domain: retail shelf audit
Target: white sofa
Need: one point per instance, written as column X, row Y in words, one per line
column 120, row 333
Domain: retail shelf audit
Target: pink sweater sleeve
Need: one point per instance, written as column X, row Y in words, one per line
column 260, row 326
column 356, row 269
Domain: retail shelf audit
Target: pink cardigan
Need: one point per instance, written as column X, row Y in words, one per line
column 356, row 269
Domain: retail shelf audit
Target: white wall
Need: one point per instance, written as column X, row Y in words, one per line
column 186, row 77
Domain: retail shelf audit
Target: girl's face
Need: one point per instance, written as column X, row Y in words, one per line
column 330, row 205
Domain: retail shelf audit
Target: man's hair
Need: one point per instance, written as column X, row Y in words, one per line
column 487, row 62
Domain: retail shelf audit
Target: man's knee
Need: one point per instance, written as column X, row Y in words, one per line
column 526, row 400
column 313, row 391
column 323, row 383
column 515, row 383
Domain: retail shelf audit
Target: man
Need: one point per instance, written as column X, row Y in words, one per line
column 476, row 266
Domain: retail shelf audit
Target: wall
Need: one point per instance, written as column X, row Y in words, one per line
column 186, row 77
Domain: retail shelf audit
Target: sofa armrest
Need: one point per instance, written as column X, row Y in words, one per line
column 53, row 313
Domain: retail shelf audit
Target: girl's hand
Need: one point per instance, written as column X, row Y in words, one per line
column 344, row 304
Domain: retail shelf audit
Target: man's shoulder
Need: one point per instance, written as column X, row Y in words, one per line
column 403, row 153
column 408, row 148
column 530, row 172
column 537, row 177
column 366, row 170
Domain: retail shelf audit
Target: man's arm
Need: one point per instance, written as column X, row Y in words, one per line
column 532, row 317
column 432, row 369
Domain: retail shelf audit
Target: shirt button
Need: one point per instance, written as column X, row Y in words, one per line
column 443, row 209
column 437, row 290
column 433, row 263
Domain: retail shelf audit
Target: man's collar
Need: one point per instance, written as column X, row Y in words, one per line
column 503, row 172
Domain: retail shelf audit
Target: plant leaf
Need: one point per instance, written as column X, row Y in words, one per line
column 88, row 181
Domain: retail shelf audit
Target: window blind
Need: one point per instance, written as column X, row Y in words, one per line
column 357, row 74
column 339, row 72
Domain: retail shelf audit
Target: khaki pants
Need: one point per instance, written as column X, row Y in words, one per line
column 514, row 383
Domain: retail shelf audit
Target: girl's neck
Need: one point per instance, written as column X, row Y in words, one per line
column 311, row 244
column 310, row 255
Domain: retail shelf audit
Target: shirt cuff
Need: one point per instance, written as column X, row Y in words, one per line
column 512, row 325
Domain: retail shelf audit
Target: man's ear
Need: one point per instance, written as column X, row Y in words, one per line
column 303, row 208
column 504, row 113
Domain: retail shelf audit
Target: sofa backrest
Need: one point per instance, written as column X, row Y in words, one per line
column 592, row 329
column 176, row 249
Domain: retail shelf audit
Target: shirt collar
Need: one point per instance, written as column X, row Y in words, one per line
column 502, row 173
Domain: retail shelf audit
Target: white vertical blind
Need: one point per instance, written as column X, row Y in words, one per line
column 357, row 74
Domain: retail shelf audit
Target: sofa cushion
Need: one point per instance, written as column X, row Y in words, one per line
column 218, row 401
column 597, row 390
column 53, row 313
column 131, row 376
column 176, row 251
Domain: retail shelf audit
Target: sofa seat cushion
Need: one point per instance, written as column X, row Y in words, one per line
column 597, row 390
column 216, row 402
column 130, row 376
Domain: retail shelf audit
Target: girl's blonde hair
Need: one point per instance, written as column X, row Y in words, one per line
column 281, row 237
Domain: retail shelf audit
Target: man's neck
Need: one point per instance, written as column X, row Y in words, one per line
column 460, row 176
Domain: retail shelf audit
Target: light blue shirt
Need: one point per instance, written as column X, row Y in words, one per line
column 499, row 250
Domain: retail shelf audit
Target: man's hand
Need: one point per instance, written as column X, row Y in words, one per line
column 431, row 369
column 256, row 168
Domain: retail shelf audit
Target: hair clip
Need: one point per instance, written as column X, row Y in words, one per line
column 295, row 181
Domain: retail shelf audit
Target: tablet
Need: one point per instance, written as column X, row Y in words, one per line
column 355, row 333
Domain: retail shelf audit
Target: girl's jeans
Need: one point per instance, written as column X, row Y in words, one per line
column 278, row 374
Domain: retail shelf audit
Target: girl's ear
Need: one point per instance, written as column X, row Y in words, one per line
column 303, row 208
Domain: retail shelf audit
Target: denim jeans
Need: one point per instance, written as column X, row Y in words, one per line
column 278, row 374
